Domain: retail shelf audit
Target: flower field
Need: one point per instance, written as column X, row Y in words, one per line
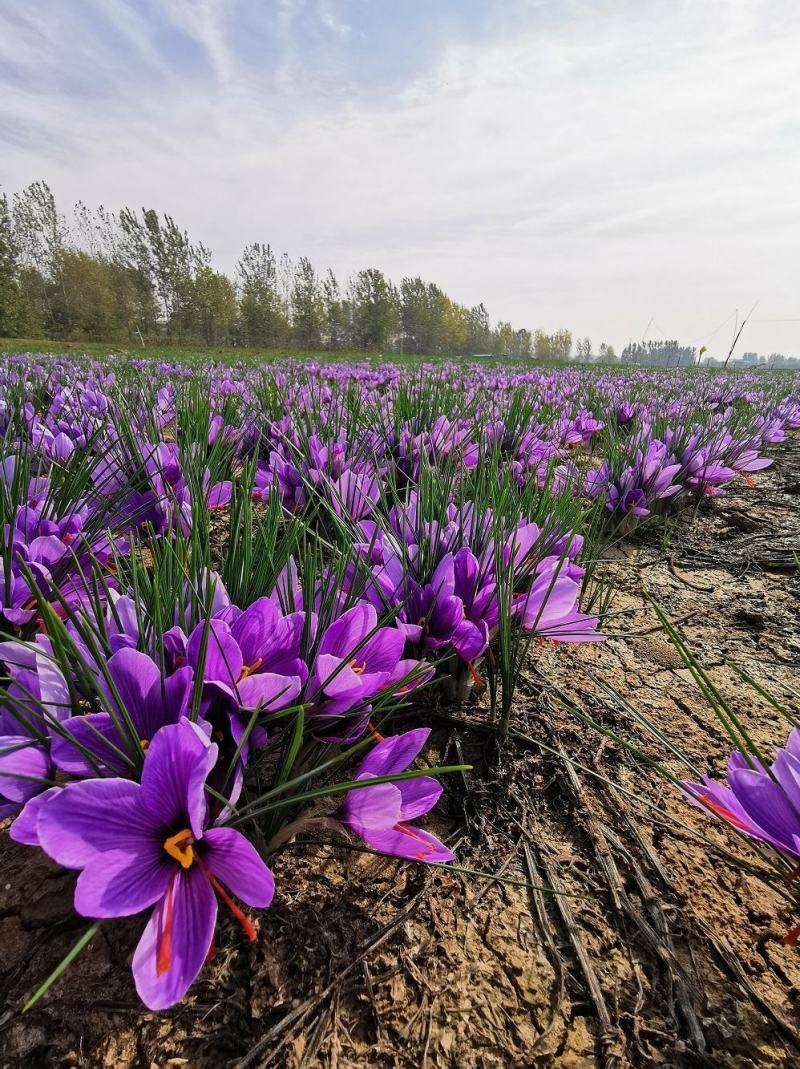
column 431, row 713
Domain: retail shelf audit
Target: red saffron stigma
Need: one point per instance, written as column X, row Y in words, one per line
column 164, row 950
column 726, row 814
column 413, row 834
column 476, row 679
column 247, row 925
column 375, row 733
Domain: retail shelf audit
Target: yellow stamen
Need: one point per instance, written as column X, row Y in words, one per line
column 248, row 669
column 144, row 743
column 358, row 668
column 179, row 847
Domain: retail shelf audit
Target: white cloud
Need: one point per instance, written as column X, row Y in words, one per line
column 617, row 162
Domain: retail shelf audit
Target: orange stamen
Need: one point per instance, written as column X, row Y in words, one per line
column 248, row 669
column 358, row 668
column 179, row 847
column 375, row 733
column 748, row 479
column 144, row 743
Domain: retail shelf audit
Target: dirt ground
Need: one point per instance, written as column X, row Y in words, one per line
column 661, row 955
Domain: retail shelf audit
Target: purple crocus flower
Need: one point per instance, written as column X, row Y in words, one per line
column 550, row 607
column 39, row 698
column 354, row 495
column 148, row 701
column 238, row 657
column 356, row 660
column 764, row 805
column 437, row 615
column 146, row 844
column 380, row 814
column 633, row 502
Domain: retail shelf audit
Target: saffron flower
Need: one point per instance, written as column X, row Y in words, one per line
column 356, row 660
column 550, row 608
column 379, row 815
column 101, row 742
column 763, row 805
column 149, row 844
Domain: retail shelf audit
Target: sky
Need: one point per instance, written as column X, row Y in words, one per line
column 623, row 168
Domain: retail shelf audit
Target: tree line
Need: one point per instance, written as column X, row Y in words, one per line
column 659, row 354
column 137, row 276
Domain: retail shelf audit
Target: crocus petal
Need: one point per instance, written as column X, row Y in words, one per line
column 394, row 753
column 443, row 579
column 445, row 616
column 576, row 627
column 419, row 796
column 219, row 494
column 409, row 842
column 342, row 637
column 97, row 733
column 721, row 801
column 166, row 702
column 223, row 660
column 372, row 807
column 176, row 940
column 787, row 772
column 134, row 675
column 25, row 828
column 46, row 550
column 23, row 766
column 382, row 652
column 470, row 639
column 254, row 627
column 92, row 817
column 336, row 678
column 237, row 864
column 123, row 884
column 268, row 690
column 550, row 599
column 178, row 761
column 767, row 806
